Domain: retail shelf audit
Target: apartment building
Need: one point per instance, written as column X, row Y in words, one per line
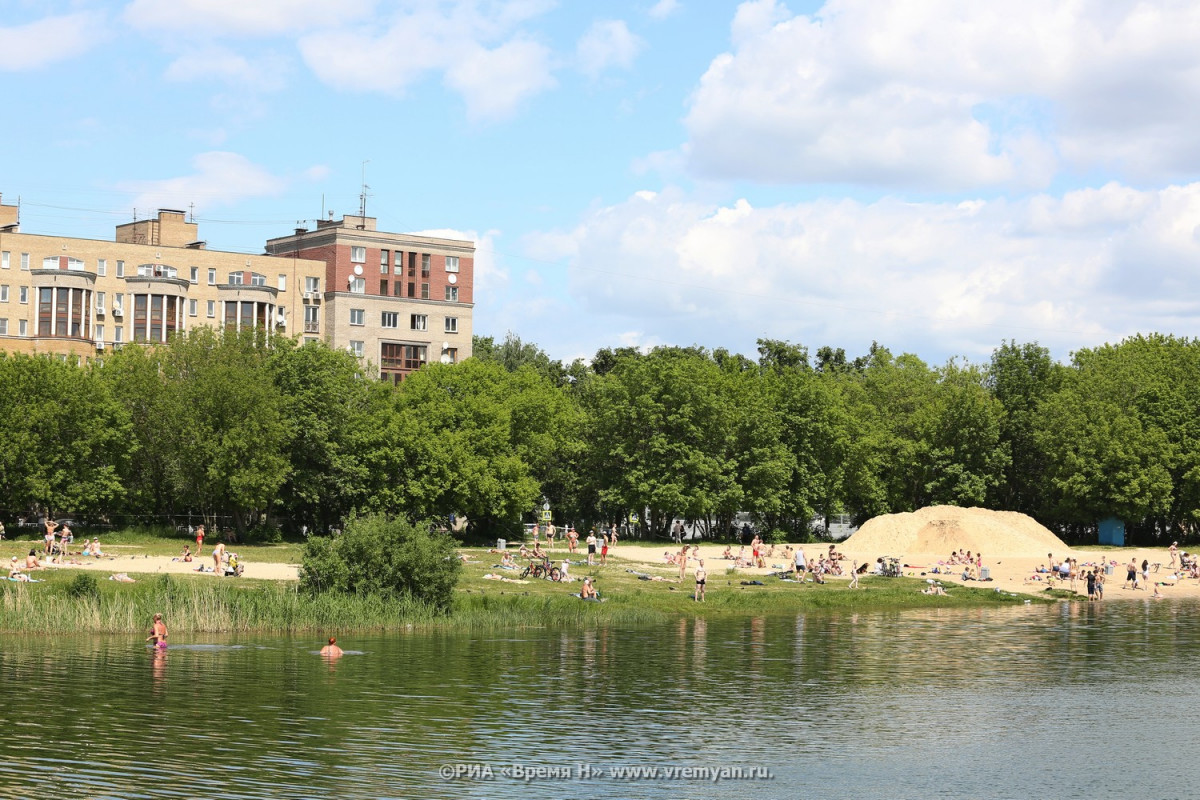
column 67, row 296
column 393, row 299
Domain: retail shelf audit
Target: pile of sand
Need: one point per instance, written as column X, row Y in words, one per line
column 940, row 530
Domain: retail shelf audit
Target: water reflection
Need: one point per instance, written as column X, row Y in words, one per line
column 976, row 703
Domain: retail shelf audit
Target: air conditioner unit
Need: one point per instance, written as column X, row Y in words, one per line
column 308, row 295
column 117, row 312
column 99, row 344
column 99, row 311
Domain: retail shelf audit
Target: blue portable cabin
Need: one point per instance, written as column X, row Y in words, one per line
column 1112, row 531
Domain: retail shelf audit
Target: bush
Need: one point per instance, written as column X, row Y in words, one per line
column 84, row 587
column 386, row 557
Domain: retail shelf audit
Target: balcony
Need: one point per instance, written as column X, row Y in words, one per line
column 312, row 327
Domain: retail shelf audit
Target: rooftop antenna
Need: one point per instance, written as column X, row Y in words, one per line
column 362, row 198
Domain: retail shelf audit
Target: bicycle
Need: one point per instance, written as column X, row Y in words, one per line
column 542, row 569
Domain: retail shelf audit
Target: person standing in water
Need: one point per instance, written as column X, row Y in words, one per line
column 159, row 633
column 331, row 650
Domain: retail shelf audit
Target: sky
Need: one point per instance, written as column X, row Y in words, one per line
column 937, row 176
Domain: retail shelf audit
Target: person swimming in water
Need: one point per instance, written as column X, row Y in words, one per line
column 331, row 650
column 159, row 634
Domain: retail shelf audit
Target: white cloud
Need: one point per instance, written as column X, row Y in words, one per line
column 241, row 17
column 494, row 83
column 934, row 278
column 607, row 44
column 265, row 73
column 49, row 40
column 663, row 9
column 219, row 179
column 951, row 94
column 482, row 54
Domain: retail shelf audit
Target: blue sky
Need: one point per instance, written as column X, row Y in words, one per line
column 935, row 175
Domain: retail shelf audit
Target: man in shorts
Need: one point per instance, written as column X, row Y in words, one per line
column 800, row 567
column 591, row 545
column 701, row 580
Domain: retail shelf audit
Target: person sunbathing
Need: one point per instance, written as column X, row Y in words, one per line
column 728, row 554
column 31, row 561
column 15, row 572
column 588, row 591
column 935, row 588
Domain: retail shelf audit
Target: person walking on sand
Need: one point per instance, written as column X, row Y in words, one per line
column 1130, row 575
column 853, row 575
column 683, row 559
column 158, row 634
column 701, row 580
column 199, row 538
column 800, row 567
column 331, row 650
column 1173, row 551
column 217, row 553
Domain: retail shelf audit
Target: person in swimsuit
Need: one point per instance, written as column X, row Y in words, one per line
column 331, row 650
column 159, row 633
column 604, row 549
column 701, row 580
column 51, row 527
column 217, row 553
column 591, row 545
column 199, row 538
column 587, row 591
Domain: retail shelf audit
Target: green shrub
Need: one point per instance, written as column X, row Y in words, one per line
column 84, row 587
column 387, row 557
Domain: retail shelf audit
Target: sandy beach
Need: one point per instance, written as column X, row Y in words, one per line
column 125, row 558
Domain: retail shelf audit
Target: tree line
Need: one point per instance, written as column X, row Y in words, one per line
column 217, row 425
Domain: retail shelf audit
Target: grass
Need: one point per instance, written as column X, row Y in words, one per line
column 69, row 601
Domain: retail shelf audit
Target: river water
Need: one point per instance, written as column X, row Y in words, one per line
column 1073, row 700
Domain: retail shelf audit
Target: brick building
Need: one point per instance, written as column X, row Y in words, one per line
column 394, row 299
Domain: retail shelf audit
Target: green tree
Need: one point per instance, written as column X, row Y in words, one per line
column 383, row 556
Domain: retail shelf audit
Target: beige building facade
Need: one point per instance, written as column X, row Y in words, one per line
column 81, row 297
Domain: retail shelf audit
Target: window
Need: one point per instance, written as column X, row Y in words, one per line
column 401, row 356
column 383, row 286
column 75, row 264
column 398, row 289
column 120, row 268
column 420, row 322
column 451, row 263
column 358, row 316
column 451, row 324
column 452, row 294
column 414, row 356
column 356, row 348
column 358, row 285
column 312, row 322
column 118, row 334
column 102, row 267
column 99, row 302
column 3, row 327
column 424, row 291
column 412, row 265
column 24, row 294
column 425, row 259
column 5, row 259
column 99, row 333
column 156, row 271
column 193, row 307
column 118, row 304
column 25, row 261
column 194, row 274
column 4, row 293
column 383, row 262
column 358, row 255
column 390, row 319
column 312, row 285
column 398, row 267
column 452, row 355
column 23, row 327
column 257, row 280
column 412, row 289
column 212, row 276
column 282, row 283
column 50, row 262
column 236, row 278
column 211, row 310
